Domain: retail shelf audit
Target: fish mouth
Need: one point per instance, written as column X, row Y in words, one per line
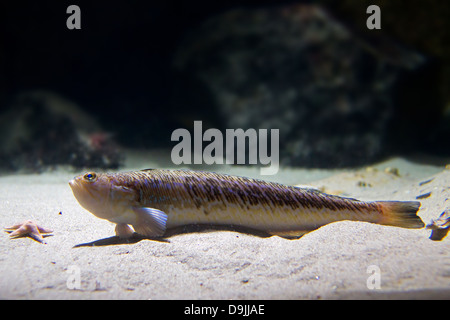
column 75, row 184
column 72, row 183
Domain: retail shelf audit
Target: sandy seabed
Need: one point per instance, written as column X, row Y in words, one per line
column 342, row 260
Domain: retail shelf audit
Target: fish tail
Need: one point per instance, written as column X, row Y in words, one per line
column 400, row 214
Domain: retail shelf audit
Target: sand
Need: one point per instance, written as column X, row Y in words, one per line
column 342, row 260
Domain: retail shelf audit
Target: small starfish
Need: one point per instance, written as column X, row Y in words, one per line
column 27, row 228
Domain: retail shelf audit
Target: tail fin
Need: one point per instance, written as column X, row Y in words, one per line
column 401, row 214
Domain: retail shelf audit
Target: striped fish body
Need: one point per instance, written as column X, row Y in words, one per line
column 154, row 200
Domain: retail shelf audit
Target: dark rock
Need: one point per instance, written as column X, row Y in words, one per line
column 41, row 130
column 296, row 69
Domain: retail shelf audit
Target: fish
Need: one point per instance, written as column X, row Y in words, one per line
column 153, row 201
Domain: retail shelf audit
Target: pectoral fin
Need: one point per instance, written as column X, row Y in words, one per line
column 150, row 222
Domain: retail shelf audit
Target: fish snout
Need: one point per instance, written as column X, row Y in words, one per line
column 73, row 183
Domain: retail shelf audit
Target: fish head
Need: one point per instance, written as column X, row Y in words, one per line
column 92, row 190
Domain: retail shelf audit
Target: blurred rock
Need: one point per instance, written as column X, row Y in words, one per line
column 41, row 129
column 424, row 94
column 296, row 69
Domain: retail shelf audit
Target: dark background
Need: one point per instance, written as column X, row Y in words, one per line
column 120, row 69
column 118, row 66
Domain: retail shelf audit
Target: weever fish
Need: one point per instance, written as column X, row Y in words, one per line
column 155, row 200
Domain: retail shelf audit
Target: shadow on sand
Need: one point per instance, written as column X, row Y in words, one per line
column 135, row 238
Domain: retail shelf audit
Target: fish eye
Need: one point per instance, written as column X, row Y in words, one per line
column 90, row 176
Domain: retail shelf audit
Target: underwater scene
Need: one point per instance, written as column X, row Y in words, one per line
column 230, row 150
